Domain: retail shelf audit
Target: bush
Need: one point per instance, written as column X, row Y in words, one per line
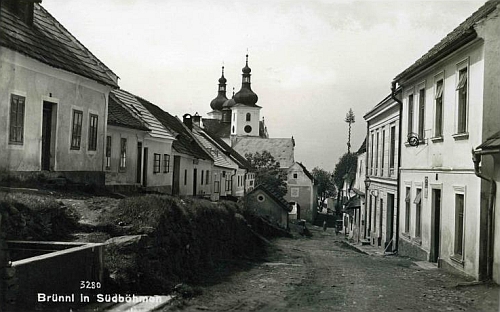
column 185, row 238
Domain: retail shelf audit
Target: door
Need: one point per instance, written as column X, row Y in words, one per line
column 380, row 222
column 139, row 162
column 177, row 175
column 46, row 135
column 389, row 222
column 195, row 181
column 145, row 168
column 436, row 225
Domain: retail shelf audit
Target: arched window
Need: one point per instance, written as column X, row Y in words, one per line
column 249, row 116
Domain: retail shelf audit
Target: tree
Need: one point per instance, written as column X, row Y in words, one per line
column 267, row 171
column 324, row 179
column 345, row 169
column 350, row 119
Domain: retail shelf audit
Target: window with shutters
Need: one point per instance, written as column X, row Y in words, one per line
column 93, row 124
column 76, row 130
column 16, row 128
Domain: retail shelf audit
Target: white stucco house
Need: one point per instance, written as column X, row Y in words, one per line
column 450, row 102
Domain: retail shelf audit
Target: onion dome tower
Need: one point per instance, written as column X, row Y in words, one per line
column 245, row 112
column 217, row 103
column 246, row 96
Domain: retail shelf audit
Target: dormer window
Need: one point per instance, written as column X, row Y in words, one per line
column 23, row 9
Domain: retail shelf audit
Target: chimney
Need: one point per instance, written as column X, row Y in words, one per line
column 187, row 119
column 197, row 119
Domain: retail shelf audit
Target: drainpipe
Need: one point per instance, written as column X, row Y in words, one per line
column 476, row 158
column 398, row 206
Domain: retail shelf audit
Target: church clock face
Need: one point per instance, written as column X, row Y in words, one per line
column 248, row 129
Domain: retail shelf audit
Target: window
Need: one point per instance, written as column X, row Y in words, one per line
column 418, row 213
column 459, row 224
column 76, row 130
column 462, row 101
column 410, row 113
column 123, row 153
column 407, row 210
column 248, row 117
column 166, row 163
column 392, row 152
column 185, row 176
column 16, row 135
column 371, row 156
column 108, row 152
column 156, row 163
column 93, row 132
column 248, row 129
column 202, row 177
column 295, row 176
column 438, row 131
column 421, row 114
column 207, row 177
column 229, row 184
column 383, row 154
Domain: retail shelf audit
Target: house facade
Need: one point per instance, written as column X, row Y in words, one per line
column 356, row 206
column 450, row 105
column 53, row 108
column 263, row 202
column 153, row 154
column 302, row 190
column 382, row 163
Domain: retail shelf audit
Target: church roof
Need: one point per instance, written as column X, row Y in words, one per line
column 217, row 127
column 49, row 42
column 282, row 149
column 184, row 141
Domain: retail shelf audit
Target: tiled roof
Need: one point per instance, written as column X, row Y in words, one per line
column 217, row 154
column 49, row 42
column 217, row 127
column 133, row 105
column 276, row 197
column 282, row 149
column 184, row 142
column 493, row 142
column 461, row 35
column 119, row 116
column 240, row 160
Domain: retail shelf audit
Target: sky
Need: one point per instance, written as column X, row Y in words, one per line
column 311, row 60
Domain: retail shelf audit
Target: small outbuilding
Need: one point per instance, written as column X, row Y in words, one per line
column 268, row 204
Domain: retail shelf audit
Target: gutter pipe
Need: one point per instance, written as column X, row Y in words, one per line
column 400, row 143
column 476, row 158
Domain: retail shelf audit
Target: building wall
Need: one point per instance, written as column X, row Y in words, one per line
column 239, row 122
column 38, row 82
column 128, row 175
column 187, row 166
column 161, row 181
column 263, row 205
column 496, row 223
column 239, row 183
column 445, row 162
column 219, row 177
column 302, row 191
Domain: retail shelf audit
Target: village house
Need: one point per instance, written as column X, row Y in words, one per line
column 355, row 207
column 122, row 163
column 269, row 205
column 382, row 174
column 192, row 166
column 149, row 156
column 53, row 97
column 450, row 104
column 302, row 191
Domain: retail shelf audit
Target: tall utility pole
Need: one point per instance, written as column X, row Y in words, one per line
column 349, row 118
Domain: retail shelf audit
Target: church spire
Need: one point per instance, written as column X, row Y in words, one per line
column 246, row 95
column 217, row 103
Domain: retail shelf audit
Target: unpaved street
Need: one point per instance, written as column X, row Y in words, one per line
column 323, row 273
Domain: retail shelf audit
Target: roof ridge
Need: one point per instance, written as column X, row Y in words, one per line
column 56, row 23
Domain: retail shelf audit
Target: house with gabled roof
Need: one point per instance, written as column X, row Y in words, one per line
column 149, row 156
column 192, row 166
column 53, row 97
column 302, row 190
column 450, row 105
column 264, row 202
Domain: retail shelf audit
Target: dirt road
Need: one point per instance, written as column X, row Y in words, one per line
column 323, row 273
